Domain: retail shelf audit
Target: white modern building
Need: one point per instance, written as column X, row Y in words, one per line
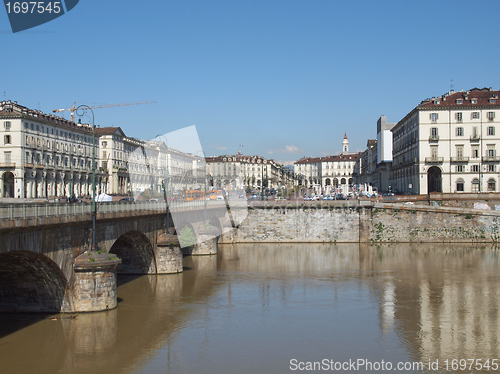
column 449, row 144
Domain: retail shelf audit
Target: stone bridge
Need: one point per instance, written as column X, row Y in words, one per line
column 46, row 262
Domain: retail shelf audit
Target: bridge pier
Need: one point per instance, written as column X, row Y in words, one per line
column 94, row 288
column 168, row 255
column 207, row 246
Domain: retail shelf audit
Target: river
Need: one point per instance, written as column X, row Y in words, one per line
column 280, row 308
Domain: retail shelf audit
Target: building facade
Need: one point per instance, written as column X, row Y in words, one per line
column 324, row 174
column 449, row 144
column 242, row 172
column 45, row 156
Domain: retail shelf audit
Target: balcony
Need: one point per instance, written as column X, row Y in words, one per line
column 460, row 159
column 28, row 166
column 475, row 138
column 434, row 138
column 434, row 160
column 8, row 165
column 491, row 158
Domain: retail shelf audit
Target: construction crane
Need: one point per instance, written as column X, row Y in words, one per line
column 73, row 108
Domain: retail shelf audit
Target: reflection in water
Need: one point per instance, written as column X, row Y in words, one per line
column 253, row 308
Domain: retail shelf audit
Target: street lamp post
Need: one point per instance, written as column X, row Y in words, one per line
column 83, row 108
column 205, row 175
column 165, row 188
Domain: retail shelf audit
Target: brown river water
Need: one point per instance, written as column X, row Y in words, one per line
column 282, row 308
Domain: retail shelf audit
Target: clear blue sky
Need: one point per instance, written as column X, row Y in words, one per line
column 282, row 78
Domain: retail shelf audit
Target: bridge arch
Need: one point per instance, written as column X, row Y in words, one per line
column 31, row 282
column 136, row 252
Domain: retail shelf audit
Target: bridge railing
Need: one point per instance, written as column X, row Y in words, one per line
column 41, row 210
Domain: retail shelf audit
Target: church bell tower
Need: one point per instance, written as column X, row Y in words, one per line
column 345, row 144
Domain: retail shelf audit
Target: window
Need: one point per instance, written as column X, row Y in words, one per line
column 475, row 185
column 473, row 101
column 434, row 117
column 458, row 116
column 491, row 130
column 492, row 101
column 491, row 151
column 7, row 157
column 475, row 168
column 434, row 151
column 460, row 185
column 460, row 151
column 491, row 168
column 491, row 116
column 6, row 124
column 460, row 168
column 474, row 115
column 434, row 131
column 459, row 101
column 460, row 131
column 491, row 185
column 6, row 139
column 104, row 144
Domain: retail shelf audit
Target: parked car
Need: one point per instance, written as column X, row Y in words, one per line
column 388, row 194
column 127, row 199
column 255, row 196
column 340, row 197
column 153, row 199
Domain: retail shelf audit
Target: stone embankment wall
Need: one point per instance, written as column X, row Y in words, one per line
column 373, row 222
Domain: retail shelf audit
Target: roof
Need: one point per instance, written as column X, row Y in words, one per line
column 239, row 158
column 449, row 101
column 472, row 98
column 315, row 160
column 109, row 131
column 11, row 109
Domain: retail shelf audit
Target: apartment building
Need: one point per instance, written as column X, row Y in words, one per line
column 45, row 156
column 240, row 172
column 328, row 172
column 449, row 144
